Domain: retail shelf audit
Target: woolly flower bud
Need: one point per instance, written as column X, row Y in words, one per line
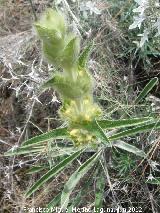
column 51, row 29
column 78, row 112
column 60, row 47
column 51, row 20
column 82, row 137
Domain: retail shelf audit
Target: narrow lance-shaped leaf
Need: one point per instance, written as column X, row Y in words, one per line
column 60, row 151
column 83, row 58
column 122, row 123
column 147, row 89
column 51, row 173
column 100, row 184
column 154, row 181
column 129, row 148
column 111, row 124
column 136, row 130
column 100, row 133
column 53, row 134
column 125, row 146
column 74, row 179
column 24, row 150
column 54, row 202
column 76, row 201
column 35, row 169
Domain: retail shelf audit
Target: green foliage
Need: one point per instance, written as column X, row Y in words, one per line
column 140, row 42
column 53, row 134
column 36, row 169
column 123, row 123
column 54, row 202
column 99, row 192
column 83, row 58
column 147, row 89
column 62, row 48
column 75, row 177
column 51, row 173
column 70, row 88
column 25, row 150
column 54, row 34
column 155, row 181
column 70, row 53
column 129, row 148
column 123, row 163
column 140, row 129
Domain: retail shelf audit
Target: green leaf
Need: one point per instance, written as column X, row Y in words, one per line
column 53, row 57
column 129, row 148
column 70, row 54
column 52, row 172
column 147, row 89
column 54, row 202
column 59, row 133
column 111, row 124
column 100, row 184
column 51, row 29
column 24, row 150
column 100, row 133
column 76, row 201
column 35, row 169
column 83, row 58
column 69, row 88
column 122, row 123
column 136, row 130
column 154, row 181
column 49, row 37
column 60, row 151
column 94, row 128
column 74, row 179
column 52, row 20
